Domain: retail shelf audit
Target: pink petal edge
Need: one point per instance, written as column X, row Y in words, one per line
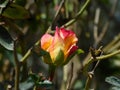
column 73, row 49
column 46, row 38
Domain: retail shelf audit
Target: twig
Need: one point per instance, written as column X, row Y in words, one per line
column 103, row 57
column 90, row 76
column 28, row 53
column 112, row 43
column 57, row 13
column 17, row 67
column 105, row 28
column 91, row 73
column 113, row 8
column 15, row 27
column 69, row 83
column 100, row 37
column 78, row 14
column 47, row 15
column 96, row 21
column 117, row 45
column 95, row 66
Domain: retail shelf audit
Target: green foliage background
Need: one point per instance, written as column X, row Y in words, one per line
column 28, row 20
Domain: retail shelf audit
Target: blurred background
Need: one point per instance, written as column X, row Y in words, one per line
column 98, row 25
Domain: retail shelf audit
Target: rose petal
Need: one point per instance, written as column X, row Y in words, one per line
column 56, row 45
column 65, row 33
column 73, row 49
column 70, row 39
column 46, row 41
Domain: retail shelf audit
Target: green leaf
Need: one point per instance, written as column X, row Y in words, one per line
column 105, row 1
column 5, row 39
column 10, row 56
column 21, row 2
column 79, row 51
column 115, row 88
column 113, row 80
column 14, row 11
column 3, row 5
column 45, row 84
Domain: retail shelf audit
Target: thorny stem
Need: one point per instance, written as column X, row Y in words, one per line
column 98, row 59
column 112, row 43
column 28, row 53
column 91, row 73
column 51, row 72
column 96, row 21
column 103, row 57
column 87, row 86
column 17, row 68
column 104, row 29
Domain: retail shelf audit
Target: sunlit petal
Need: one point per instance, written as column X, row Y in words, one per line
column 46, row 41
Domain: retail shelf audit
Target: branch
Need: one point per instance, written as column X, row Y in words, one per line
column 71, row 76
column 56, row 15
column 96, row 21
column 78, row 14
column 28, row 53
column 115, row 41
column 104, row 29
column 17, row 67
column 98, row 59
column 88, row 82
column 117, row 45
column 103, row 57
column 58, row 11
column 91, row 73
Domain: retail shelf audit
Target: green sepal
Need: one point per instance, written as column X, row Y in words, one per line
column 46, row 56
column 59, row 59
column 79, row 51
column 42, row 53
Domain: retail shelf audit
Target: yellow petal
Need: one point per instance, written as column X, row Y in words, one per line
column 56, row 46
column 69, row 38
